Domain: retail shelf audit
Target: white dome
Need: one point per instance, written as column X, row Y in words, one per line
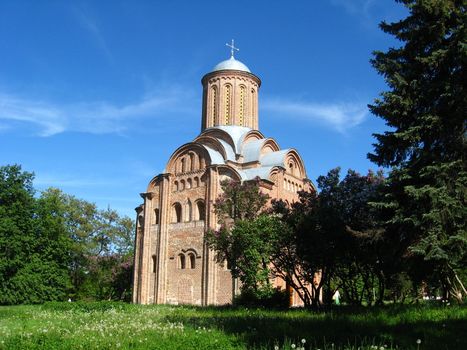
column 231, row 64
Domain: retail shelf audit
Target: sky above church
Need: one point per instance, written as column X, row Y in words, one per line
column 96, row 95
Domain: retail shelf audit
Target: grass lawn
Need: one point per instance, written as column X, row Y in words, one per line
column 107, row 325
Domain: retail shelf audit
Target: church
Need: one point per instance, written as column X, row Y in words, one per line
column 172, row 263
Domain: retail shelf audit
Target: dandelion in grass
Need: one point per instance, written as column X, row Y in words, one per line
column 293, row 346
column 303, row 341
column 419, row 341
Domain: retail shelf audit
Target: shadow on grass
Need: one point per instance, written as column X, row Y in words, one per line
column 438, row 328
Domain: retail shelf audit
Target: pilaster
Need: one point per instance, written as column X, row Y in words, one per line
column 162, row 257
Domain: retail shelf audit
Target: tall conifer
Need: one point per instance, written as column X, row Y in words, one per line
column 425, row 109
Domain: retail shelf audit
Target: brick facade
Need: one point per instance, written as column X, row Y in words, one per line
column 172, row 263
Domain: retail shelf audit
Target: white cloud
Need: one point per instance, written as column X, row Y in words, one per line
column 91, row 117
column 89, row 23
column 355, row 7
column 49, row 180
column 339, row 116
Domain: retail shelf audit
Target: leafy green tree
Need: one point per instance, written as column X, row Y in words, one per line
column 333, row 240
column 246, row 235
column 16, row 231
column 34, row 257
column 426, row 144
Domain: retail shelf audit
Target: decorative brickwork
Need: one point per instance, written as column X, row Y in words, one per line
column 172, row 262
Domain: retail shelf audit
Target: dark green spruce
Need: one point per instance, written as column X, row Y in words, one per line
column 425, row 146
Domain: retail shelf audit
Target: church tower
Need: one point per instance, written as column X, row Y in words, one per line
column 173, row 265
column 230, row 95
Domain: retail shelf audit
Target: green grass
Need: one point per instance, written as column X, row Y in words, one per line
column 124, row 326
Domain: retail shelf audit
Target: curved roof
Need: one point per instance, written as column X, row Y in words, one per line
column 239, row 144
column 231, row 64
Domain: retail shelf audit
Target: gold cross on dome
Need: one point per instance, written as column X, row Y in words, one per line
column 232, row 48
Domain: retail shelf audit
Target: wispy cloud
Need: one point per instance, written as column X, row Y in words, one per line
column 64, row 181
column 90, row 24
column 92, row 117
column 338, row 116
column 355, row 7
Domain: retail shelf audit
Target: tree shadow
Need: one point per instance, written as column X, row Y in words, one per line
column 391, row 326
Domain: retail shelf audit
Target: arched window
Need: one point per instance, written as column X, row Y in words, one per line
column 253, row 102
column 177, row 212
column 196, row 182
column 189, row 184
column 192, row 162
column 188, row 211
column 175, row 186
column 200, row 210
column 183, row 161
column 192, row 260
column 228, row 103
column 156, row 216
column 214, row 105
column 241, row 112
column 181, row 261
column 182, row 185
column 154, row 263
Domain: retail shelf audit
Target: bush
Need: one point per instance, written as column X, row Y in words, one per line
column 274, row 298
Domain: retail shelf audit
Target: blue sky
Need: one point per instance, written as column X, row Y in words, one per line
column 96, row 95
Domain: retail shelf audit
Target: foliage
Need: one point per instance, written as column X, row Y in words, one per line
column 245, row 237
column 99, row 326
column 333, row 239
column 426, row 145
column 56, row 246
column 34, row 257
column 16, row 232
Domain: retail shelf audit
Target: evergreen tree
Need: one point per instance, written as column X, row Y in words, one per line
column 426, row 145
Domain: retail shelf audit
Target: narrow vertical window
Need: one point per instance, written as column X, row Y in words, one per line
column 188, row 211
column 242, row 105
column 253, row 107
column 200, row 210
column 176, row 213
column 214, row 105
column 192, row 162
column 154, row 263
column 182, row 263
column 192, row 260
column 228, row 98
column 156, row 216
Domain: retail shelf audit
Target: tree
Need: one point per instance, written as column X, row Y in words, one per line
column 35, row 246
column 246, row 235
column 100, row 251
column 57, row 246
column 16, row 231
column 426, row 144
